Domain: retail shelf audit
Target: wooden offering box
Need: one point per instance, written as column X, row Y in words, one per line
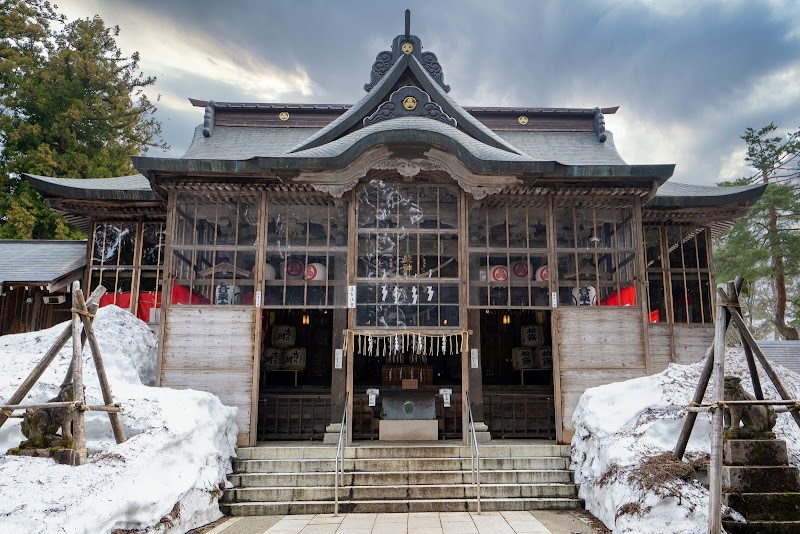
column 393, row 375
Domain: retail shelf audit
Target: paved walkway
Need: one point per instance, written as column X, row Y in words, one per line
column 413, row 523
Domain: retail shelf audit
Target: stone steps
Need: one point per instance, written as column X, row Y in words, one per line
column 307, row 465
column 762, row 527
column 420, row 451
column 401, row 492
column 759, row 484
column 766, row 506
column 398, row 506
column 393, row 478
column 294, row 479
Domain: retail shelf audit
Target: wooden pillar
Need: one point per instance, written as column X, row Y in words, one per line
column 166, row 283
column 475, row 375
column 258, row 287
column 643, row 284
column 552, row 263
column 352, row 255
column 338, row 376
column 715, row 468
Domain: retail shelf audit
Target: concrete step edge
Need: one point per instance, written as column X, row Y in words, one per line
column 350, row 472
column 394, row 501
column 461, row 485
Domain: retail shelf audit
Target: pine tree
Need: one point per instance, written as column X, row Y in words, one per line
column 71, row 105
column 765, row 246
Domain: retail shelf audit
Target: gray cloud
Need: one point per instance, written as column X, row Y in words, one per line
column 688, row 75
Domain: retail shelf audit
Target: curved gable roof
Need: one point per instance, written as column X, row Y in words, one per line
column 354, row 117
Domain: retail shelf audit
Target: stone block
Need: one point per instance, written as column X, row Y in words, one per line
column 754, row 452
column 766, row 506
column 409, row 430
column 760, row 479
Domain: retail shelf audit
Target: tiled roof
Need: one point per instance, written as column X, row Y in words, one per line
column 39, row 262
column 135, row 187
column 411, row 125
column 241, row 143
column 567, row 148
column 680, row 195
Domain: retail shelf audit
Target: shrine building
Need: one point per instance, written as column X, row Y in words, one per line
column 394, row 257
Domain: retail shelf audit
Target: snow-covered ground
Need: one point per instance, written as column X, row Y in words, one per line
column 619, row 426
column 170, row 469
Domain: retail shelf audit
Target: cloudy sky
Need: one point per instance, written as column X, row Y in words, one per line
column 689, row 76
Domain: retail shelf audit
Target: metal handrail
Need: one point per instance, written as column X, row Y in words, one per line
column 475, row 455
column 339, row 451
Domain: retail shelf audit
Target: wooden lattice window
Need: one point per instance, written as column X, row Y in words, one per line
column 678, row 273
column 596, row 251
column 306, row 251
column 508, row 253
column 215, row 239
column 113, row 258
column 408, row 268
column 127, row 259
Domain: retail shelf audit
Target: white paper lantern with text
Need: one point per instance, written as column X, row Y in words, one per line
column 293, row 269
column 316, row 271
column 521, row 270
column 584, row 296
column 269, row 272
column 498, row 273
column 542, row 274
column 226, row 294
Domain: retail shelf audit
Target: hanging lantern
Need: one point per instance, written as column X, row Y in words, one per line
column 584, row 296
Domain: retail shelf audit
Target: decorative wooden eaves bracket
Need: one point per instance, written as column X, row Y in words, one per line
column 340, row 181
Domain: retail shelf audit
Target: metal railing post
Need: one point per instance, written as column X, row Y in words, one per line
column 339, row 461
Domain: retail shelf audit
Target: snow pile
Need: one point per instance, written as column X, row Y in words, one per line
column 619, row 426
column 172, row 465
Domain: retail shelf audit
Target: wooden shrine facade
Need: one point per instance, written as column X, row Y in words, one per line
column 405, row 250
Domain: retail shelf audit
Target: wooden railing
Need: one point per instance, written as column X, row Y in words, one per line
column 293, row 416
column 519, row 415
column 300, row 416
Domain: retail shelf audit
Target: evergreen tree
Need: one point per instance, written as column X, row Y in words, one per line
column 71, row 105
column 765, row 246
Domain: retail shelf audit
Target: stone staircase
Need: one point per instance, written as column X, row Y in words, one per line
column 758, row 483
column 295, row 479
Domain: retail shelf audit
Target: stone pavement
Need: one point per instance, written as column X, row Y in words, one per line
column 400, row 523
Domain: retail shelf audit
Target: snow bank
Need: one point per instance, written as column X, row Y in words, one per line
column 176, row 456
column 618, row 425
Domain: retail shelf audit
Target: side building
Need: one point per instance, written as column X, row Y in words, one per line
column 394, row 257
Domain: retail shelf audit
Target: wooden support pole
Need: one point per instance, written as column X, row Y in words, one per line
column 40, row 368
column 79, row 421
column 699, row 393
column 702, row 384
column 99, row 366
column 112, row 409
column 45, row 405
column 715, row 469
column 751, row 363
column 46, row 360
column 738, row 321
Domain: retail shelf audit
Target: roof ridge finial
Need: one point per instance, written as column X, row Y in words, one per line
column 408, row 22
